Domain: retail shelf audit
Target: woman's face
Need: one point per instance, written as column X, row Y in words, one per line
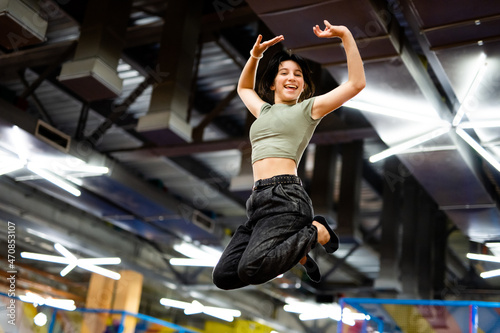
column 288, row 83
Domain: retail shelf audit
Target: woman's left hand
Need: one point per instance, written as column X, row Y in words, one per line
column 330, row 31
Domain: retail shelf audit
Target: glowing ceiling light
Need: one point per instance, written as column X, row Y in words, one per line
column 40, row 319
column 489, row 274
column 483, row 257
column 382, row 110
column 65, row 304
column 199, row 255
column 472, row 89
column 409, row 144
column 196, row 307
column 54, row 179
column 477, row 147
column 193, row 262
column 72, row 261
column 10, row 165
column 480, row 124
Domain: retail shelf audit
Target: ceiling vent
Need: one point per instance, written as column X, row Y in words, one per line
column 201, row 220
column 52, row 136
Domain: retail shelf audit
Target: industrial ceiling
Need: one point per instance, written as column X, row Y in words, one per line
column 147, row 89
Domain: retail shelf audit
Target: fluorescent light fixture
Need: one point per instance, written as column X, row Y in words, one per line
column 472, row 89
column 172, row 303
column 54, row 179
column 193, row 262
column 382, row 110
column 83, row 168
column 10, row 164
column 65, row 304
column 493, row 244
column 314, row 311
column 480, row 124
column 199, row 255
column 72, row 261
column 483, row 257
column 409, row 144
column 196, row 307
column 196, row 251
column 489, row 274
column 477, row 147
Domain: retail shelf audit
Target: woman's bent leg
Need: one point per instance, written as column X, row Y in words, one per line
column 282, row 235
column 225, row 274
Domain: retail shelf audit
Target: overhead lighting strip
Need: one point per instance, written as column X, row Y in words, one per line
column 68, row 258
column 456, row 122
column 196, row 307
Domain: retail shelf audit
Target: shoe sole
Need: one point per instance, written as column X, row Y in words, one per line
column 333, row 243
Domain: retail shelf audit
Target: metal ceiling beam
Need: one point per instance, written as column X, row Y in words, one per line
column 320, row 138
column 411, row 18
column 410, row 58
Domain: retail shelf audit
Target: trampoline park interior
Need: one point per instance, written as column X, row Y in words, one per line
column 122, row 136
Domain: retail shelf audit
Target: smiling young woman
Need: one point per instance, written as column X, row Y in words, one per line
column 281, row 228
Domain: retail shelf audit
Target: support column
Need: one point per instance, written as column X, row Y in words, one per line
column 350, row 187
column 323, row 179
column 92, row 72
column 410, row 213
column 167, row 121
column 99, row 296
column 128, row 297
column 243, row 182
column 388, row 282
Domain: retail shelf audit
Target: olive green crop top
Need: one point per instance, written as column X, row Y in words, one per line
column 282, row 130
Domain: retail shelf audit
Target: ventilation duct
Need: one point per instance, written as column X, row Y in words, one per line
column 20, row 23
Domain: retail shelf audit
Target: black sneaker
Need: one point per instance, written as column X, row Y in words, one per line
column 333, row 243
column 312, row 269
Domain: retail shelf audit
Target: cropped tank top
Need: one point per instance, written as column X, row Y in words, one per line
column 282, row 130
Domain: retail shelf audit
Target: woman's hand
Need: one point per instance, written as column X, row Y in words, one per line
column 259, row 46
column 330, row 30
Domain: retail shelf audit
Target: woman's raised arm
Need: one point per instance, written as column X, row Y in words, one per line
column 356, row 82
column 246, row 83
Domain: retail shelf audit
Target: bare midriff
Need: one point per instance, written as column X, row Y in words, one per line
column 273, row 166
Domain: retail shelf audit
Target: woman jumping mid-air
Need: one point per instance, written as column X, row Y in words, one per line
column 281, row 228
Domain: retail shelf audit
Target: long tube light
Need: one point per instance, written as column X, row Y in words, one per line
column 382, row 110
column 471, row 90
column 196, row 307
column 72, row 261
column 199, row 255
column 409, row 144
column 193, row 262
column 54, row 179
column 65, row 304
column 483, row 257
column 477, row 147
column 10, row 164
column 489, row 274
column 480, row 124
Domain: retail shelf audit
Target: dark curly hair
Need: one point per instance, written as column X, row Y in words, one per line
column 267, row 79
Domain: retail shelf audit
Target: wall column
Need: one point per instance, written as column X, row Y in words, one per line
column 99, row 296
column 128, row 297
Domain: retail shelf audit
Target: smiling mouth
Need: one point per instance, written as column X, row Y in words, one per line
column 291, row 87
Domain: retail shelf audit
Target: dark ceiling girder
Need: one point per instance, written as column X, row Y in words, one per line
column 320, row 138
column 431, row 57
column 119, row 111
column 410, row 58
column 41, row 110
column 198, row 130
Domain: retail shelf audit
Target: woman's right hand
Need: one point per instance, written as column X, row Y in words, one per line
column 260, row 47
